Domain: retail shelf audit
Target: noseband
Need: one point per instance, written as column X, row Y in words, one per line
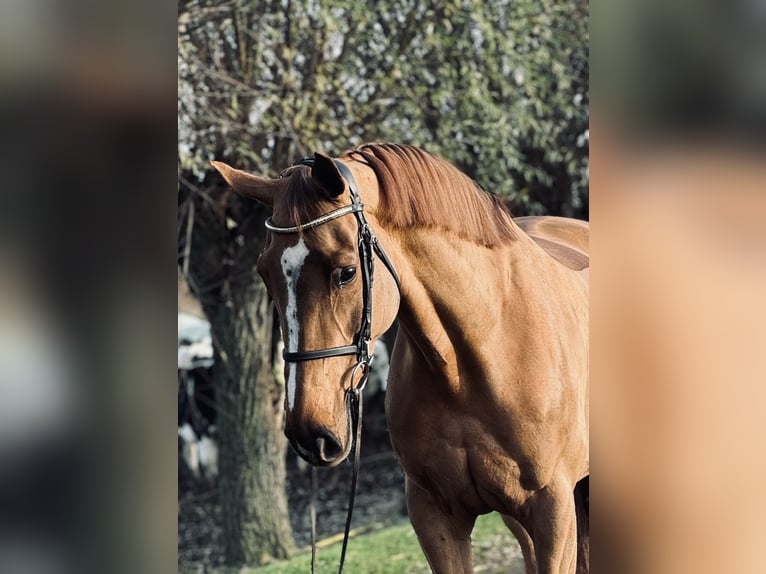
column 368, row 246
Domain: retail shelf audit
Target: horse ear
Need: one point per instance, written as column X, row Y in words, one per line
column 325, row 174
column 249, row 185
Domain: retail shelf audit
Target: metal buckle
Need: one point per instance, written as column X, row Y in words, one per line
column 365, row 366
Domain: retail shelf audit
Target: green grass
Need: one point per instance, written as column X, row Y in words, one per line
column 394, row 550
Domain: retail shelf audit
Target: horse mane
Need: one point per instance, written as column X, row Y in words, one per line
column 421, row 190
column 417, row 190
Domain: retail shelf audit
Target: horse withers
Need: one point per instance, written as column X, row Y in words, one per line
column 487, row 400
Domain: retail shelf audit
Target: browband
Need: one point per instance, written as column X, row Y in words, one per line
column 345, row 210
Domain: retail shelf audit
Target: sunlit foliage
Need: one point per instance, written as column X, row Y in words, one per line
column 499, row 87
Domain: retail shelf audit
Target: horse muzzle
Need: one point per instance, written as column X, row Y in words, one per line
column 321, row 447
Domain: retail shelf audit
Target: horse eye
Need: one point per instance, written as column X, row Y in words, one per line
column 346, row 275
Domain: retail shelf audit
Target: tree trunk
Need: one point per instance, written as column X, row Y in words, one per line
column 252, row 445
column 250, row 401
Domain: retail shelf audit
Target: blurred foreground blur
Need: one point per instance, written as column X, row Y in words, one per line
column 87, row 224
column 679, row 304
column 679, row 287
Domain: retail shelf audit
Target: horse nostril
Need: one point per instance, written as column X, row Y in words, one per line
column 327, row 447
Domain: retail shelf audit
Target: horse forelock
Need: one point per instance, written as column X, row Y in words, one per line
column 303, row 198
column 421, row 190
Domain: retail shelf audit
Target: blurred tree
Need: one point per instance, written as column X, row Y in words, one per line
column 498, row 87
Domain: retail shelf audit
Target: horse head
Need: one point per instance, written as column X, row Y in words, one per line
column 315, row 276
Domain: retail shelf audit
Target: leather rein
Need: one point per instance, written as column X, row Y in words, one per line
column 368, row 247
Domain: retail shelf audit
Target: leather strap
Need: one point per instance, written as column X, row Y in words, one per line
column 356, row 413
column 319, row 353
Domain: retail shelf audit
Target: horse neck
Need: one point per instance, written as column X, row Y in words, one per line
column 454, row 290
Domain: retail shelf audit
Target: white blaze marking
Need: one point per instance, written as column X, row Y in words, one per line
column 292, row 262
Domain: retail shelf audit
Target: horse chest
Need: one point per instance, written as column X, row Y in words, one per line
column 453, row 456
column 472, row 435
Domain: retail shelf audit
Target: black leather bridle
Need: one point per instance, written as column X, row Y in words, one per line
column 368, row 246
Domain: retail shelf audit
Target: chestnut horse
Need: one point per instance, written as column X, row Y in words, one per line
column 487, row 400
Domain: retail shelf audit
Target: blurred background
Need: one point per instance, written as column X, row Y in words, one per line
column 105, row 140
